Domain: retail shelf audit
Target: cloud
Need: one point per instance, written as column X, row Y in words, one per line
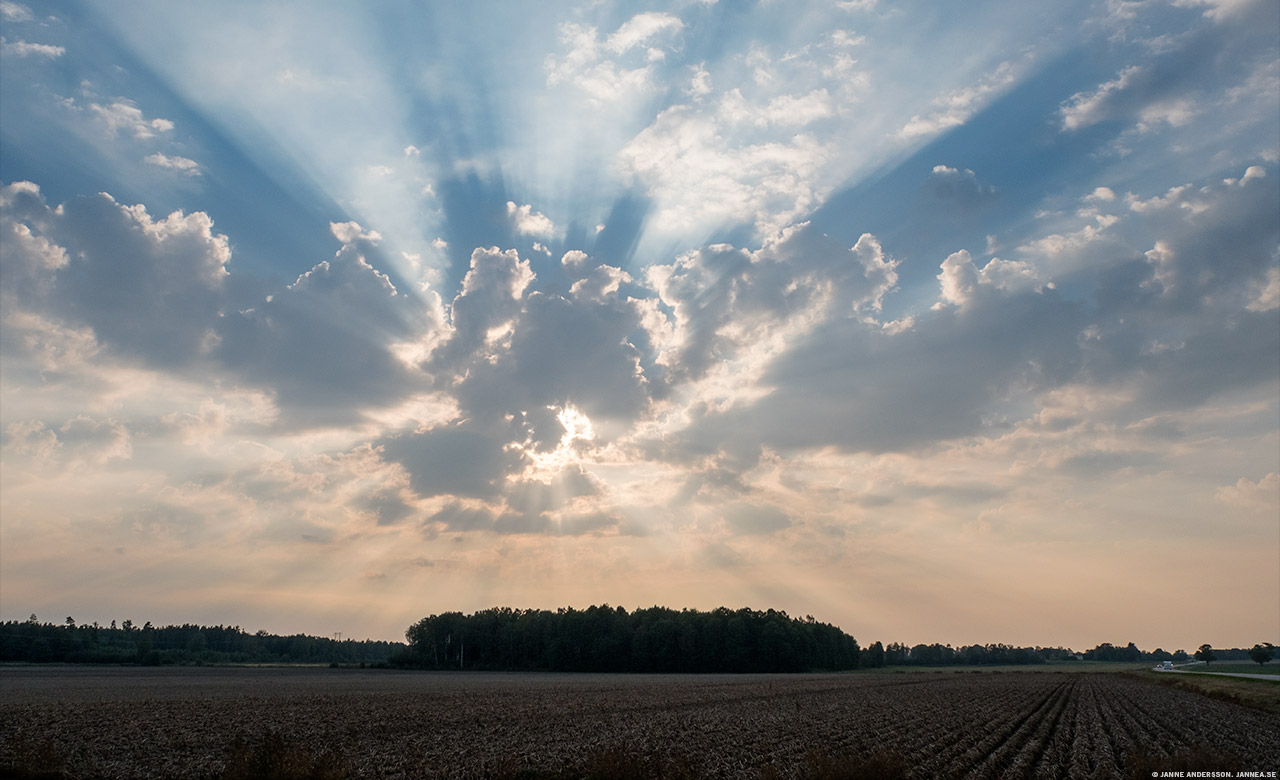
column 158, row 292
column 24, row 49
column 124, row 116
column 184, row 165
column 959, row 189
column 639, row 29
column 954, row 108
column 1226, row 10
column 745, row 387
column 1260, row 496
column 784, row 110
column 700, row 177
column 1101, row 195
column 585, row 63
column 962, row 282
column 324, row 343
column 529, row 222
column 489, row 301
column 15, row 12
column 756, row 518
column 148, row 288
column 1194, row 79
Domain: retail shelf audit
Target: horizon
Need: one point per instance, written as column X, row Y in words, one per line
column 861, row 642
column 944, row 324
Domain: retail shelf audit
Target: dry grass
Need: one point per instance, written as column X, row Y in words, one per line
column 1257, row 694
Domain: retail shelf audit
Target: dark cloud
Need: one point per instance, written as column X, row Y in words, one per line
column 856, row 388
column 490, row 297
column 154, row 291
column 562, row 351
column 322, row 344
column 455, row 461
column 151, row 290
column 457, row 517
column 755, row 518
column 959, row 189
column 1189, row 71
column 387, row 505
column 1188, row 319
column 532, row 497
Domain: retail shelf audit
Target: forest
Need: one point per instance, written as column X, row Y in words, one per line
column 610, row 639
column 596, row 639
column 34, row 641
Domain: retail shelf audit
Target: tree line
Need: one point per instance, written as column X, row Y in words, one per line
column 71, row 642
column 898, row 654
column 597, row 639
column 610, row 639
column 660, row 639
column 1259, row 653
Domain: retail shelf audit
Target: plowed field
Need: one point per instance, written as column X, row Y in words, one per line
column 144, row 723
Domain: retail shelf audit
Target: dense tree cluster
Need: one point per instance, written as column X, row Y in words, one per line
column 897, row 654
column 69, row 642
column 608, row 639
column 1131, row 654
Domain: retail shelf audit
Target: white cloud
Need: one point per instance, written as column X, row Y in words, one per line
column 529, row 222
column 123, row 115
column 184, row 165
column 700, row 82
column 962, row 281
column 959, row 278
column 1260, row 496
column 1267, row 293
column 24, row 49
column 351, row 232
column 586, row 65
column 1101, row 194
column 955, row 107
column 797, row 110
column 1225, row 10
column 1254, row 172
column 15, row 12
column 574, row 257
column 844, row 38
column 639, row 29
column 699, row 177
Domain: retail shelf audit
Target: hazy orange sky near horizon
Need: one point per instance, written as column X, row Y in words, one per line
column 953, row 325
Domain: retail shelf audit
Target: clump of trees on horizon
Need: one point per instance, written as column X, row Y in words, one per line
column 70, row 642
column 610, row 639
column 898, row 654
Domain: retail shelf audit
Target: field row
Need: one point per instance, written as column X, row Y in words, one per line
column 399, row 725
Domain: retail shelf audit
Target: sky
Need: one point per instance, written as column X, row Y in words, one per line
column 949, row 323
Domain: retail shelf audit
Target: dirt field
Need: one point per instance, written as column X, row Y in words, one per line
column 244, row 722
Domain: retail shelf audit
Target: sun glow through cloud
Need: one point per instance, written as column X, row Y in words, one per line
column 940, row 324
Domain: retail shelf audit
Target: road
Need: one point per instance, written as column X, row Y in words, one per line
column 1184, row 670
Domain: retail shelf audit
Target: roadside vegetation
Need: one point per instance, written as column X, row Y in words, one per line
column 1258, row 694
column 1234, row 667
